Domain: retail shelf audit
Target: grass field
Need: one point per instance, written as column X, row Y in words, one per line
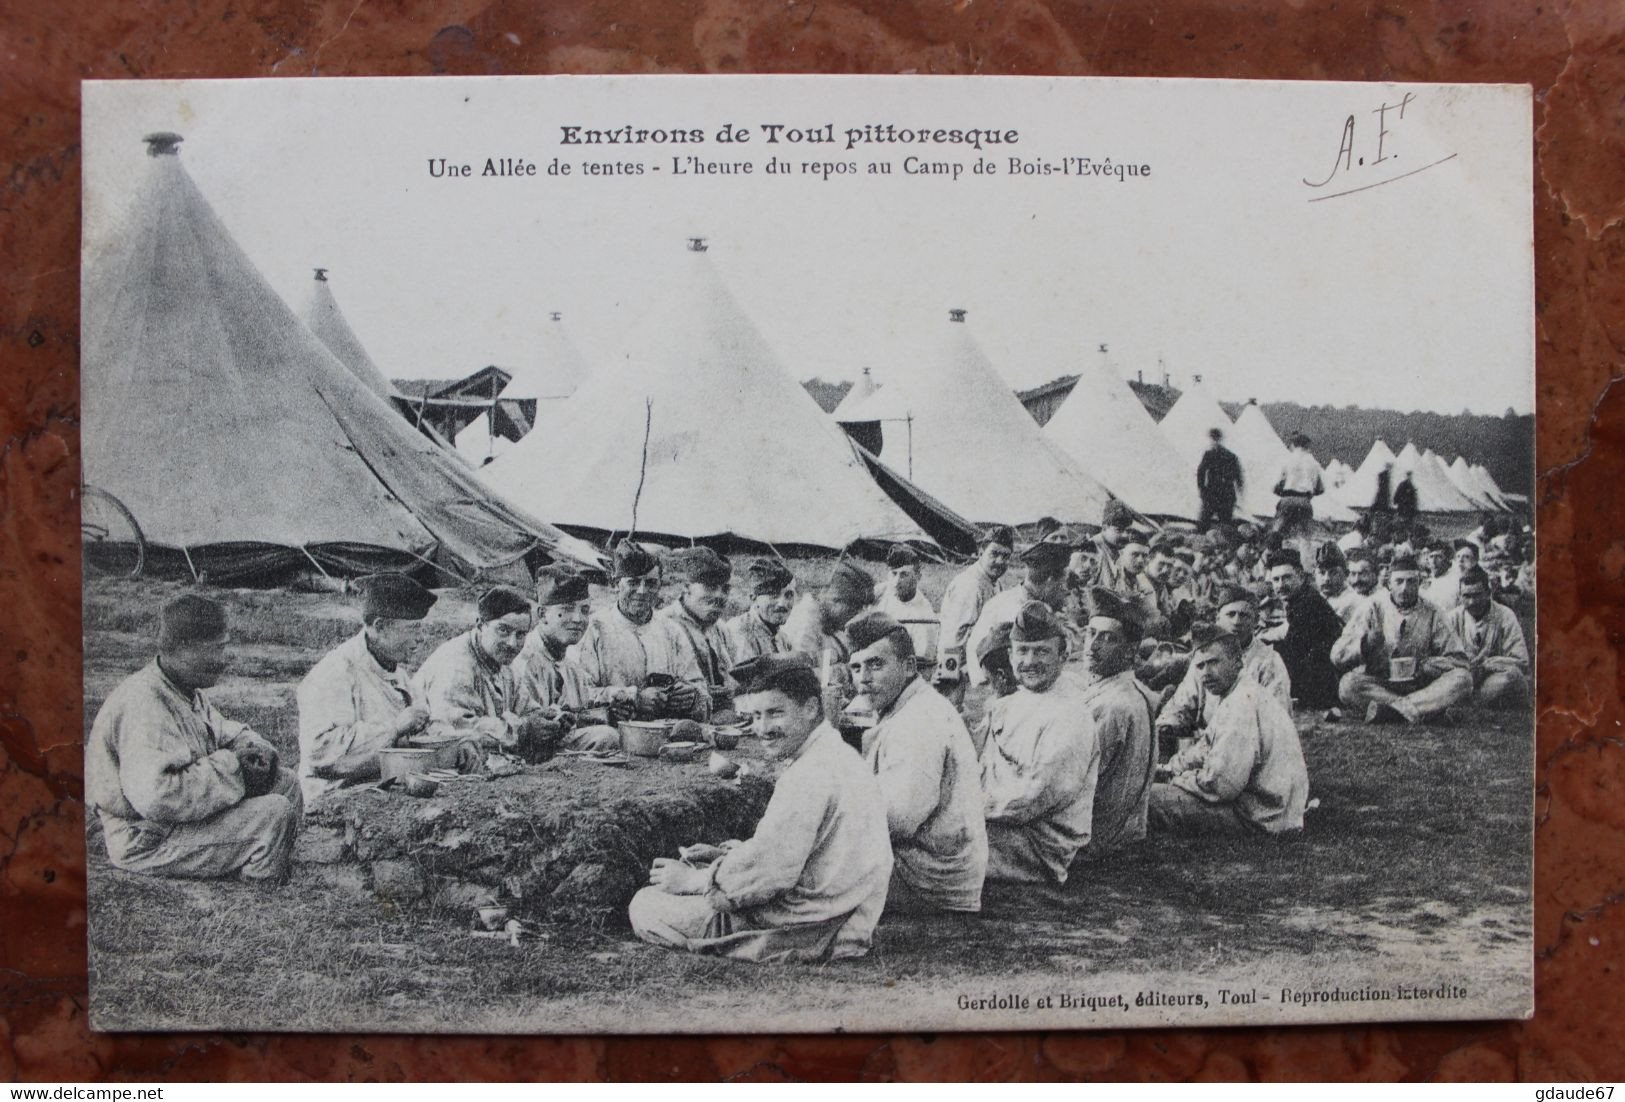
column 1413, row 872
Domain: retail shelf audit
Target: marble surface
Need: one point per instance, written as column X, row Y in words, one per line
column 1572, row 53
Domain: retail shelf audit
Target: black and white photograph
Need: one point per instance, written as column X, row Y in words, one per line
column 732, row 554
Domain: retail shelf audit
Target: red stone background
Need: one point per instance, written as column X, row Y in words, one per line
column 1573, row 53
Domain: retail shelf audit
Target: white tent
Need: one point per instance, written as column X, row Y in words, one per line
column 1337, row 472
column 957, row 429
column 235, row 437
column 704, row 433
column 1262, row 456
column 555, row 371
column 1192, row 417
column 1359, row 490
column 477, row 443
column 1461, row 476
column 856, row 396
column 1435, row 493
column 326, row 320
column 1103, row 426
column 1486, row 481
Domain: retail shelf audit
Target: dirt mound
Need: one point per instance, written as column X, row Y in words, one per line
column 562, row 841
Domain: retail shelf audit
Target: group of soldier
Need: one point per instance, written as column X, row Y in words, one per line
column 1128, row 684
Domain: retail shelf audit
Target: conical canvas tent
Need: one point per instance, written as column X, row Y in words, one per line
column 1192, row 417
column 1262, row 455
column 326, row 320
column 967, row 439
column 556, row 370
column 1484, row 479
column 478, row 444
column 1435, row 493
column 1359, row 490
column 860, row 392
column 1337, row 472
column 703, row 435
column 1106, row 429
column 236, row 438
column 1462, row 476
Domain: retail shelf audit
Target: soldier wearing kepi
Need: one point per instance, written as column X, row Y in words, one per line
column 759, row 629
column 921, row 753
column 811, row 883
column 468, row 682
column 359, row 700
column 181, row 790
column 1041, row 762
column 1402, row 656
column 548, row 679
column 633, row 658
column 695, row 617
column 1044, row 580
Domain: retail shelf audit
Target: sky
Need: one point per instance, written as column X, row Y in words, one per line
column 1406, row 283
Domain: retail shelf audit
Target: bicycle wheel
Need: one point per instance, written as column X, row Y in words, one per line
column 113, row 543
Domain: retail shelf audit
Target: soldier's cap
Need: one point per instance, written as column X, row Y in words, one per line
column 1165, row 543
column 791, row 672
column 1034, row 623
column 1048, row 558
column 768, row 576
column 1107, row 605
column 1226, row 595
column 1328, row 556
column 1283, row 556
column 1204, row 634
column 1001, row 534
column 1117, row 515
column 1461, row 545
column 190, row 618
column 1299, row 440
column 853, row 581
column 500, row 601
column 901, row 556
column 705, row 567
column 559, row 585
column 632, row 560
column 393, row 596
column 993, row 642
column 1068, row 537
column 1403, row 562
column 868, row 628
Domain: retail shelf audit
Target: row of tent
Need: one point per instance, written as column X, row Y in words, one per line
column 247, row 437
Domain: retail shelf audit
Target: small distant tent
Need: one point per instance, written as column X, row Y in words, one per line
column 1337, row 473
column 856, row 396
column 232, row 434
column 866, row 433
column 1435, row 493
column 1483, row 479
column 1190, row 419
column 1106, row 429
column 534, row 395
column 704, row 435
column 327, row 321
column 956, row 425
column 1359, row 490
column 1461, row 475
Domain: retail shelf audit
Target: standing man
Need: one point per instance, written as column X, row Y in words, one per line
column 1244, row 773
column 468, row 683
column 1405, row 501
column 811, row 883
column 1121, row 711
column 548, row 678
column 633, row 659
column 1402, row 656
column 1312, row 627
column 1497, row 655
column 1044, row 580
column 694, row 620
column 1218, row 482
column 758, row 630
column 817, row 628
column 903, row 601
column 358, row 699
column 1041, row 762
column 921, row 753
column 962, row 605
column 1296, row 489
column 181, row 790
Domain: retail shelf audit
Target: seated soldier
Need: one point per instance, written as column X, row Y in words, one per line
column 181, row 790
column 547, row 678
column 1497, row 655
column 1305, row 641
column 1188, row 709
column 1244, row 772
column 962, row 604
column 1332, row 579
column 633, row 659
column 1402, row 656
column 1121, row 710
column 694, row 616
column 1040, row 763
column 994, row 656
column 358, row 699
column 758, row 630
column 817, row 628
column 468, row 683
column 811, row 883
column 921, row 753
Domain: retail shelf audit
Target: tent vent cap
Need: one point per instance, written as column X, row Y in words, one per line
column 696, row 245
column 956, row 315
column 554, row 315
column 163, row 143
column 321, row 275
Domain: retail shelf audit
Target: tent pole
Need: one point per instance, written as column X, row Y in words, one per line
column 314, row 563
column 196, row 577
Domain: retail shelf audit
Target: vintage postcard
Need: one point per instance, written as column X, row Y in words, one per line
column 736, row 554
